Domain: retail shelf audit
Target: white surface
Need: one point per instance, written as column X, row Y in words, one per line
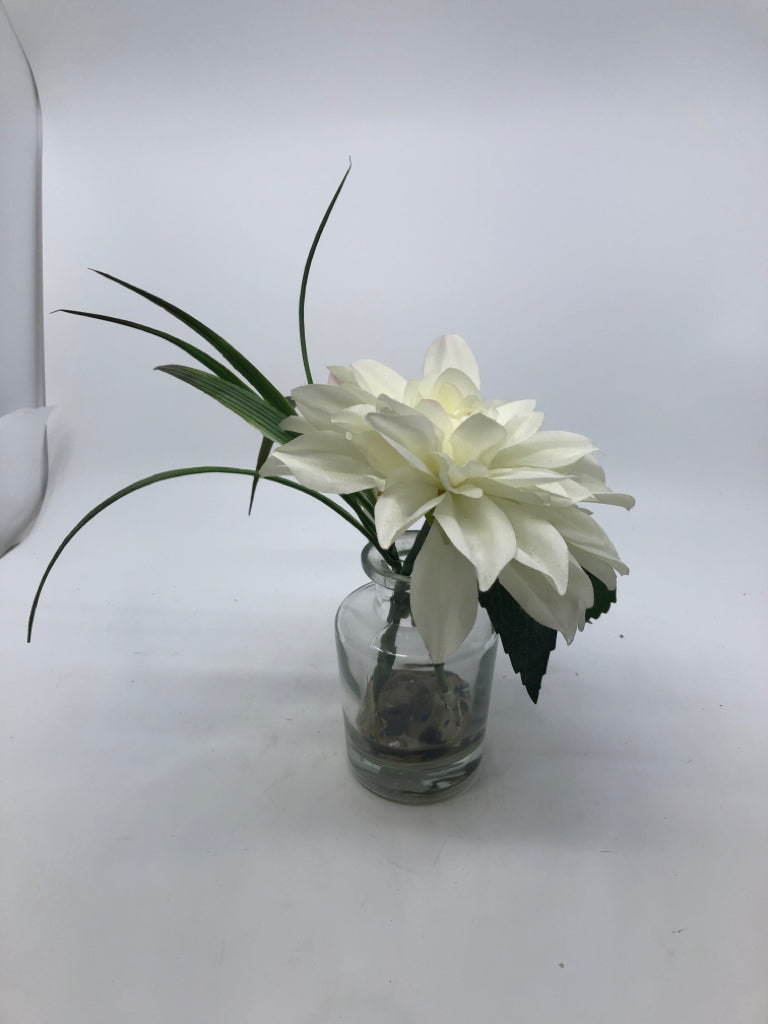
column 579, row 191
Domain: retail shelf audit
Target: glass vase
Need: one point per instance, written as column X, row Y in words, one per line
column 23, row 454
column 414, row 730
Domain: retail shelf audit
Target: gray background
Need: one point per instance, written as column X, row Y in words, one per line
column 577, row 189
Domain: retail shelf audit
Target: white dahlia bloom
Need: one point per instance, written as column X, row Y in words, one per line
column 502, row 495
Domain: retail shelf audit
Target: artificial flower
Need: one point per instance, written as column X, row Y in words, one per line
column 502, row 500
column 501, row 495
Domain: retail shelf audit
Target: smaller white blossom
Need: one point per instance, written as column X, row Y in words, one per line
column 503, row 496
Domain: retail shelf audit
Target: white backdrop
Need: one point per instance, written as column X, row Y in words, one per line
column 577, row 189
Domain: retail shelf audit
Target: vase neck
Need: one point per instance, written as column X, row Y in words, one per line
column 382, row 574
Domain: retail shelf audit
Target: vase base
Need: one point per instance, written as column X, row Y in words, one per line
column 414, row 783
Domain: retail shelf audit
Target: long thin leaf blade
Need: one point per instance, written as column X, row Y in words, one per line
column 155, row 478
column 235, row 359
column 122, row 493
column 264, row 450
column 202, row 357
column 305, row 277
column 236, row 397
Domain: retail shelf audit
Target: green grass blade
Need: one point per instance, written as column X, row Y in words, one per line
column 145, row 482
column 202, row 357
column 264, row 450
column 363, row 514
column 235, row 359
column 367, row 499
column 305, row 277
column 171, row 474
column 236, row 397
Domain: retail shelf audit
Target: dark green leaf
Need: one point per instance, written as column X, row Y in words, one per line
column 604, row 598
column 202, row 357
column 236, row 397
column 264, row 450
column 169, row 475
column 235, row 359
column 526, row 641
column 145, row 482
column 305, row 277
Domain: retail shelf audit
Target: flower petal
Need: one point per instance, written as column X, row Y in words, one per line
column 426, row 412
column 609, row 497
column 344, row 376
column 535, row 596
column 323, row 461
column 443, row 595
column 319, row 403
column 567, row 491
column 408, row 494
column 521, row 484
column 479, row 529
column 454, row 390
column 551, row 449
column 591, row 563
column 521, row 428
column 539, row 546
column 413, row 435
column 459, row 479
column 451, row 352
column 591, row 475
column 579, row 529
column 474, row 437
column 378, row 379
column 380, row 455
column 351, row 420
column 297, row 425
column 436, row 414
column 507, row 411
column 589, row 468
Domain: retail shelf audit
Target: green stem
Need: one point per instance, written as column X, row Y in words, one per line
column 442, row 682
column 399, row 609
column 418, row 544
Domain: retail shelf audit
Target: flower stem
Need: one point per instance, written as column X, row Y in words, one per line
column 399, row 609
column 442, row 682
column 418, row 544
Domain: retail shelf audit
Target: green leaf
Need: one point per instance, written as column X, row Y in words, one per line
column 145, row 482
column 525, row 640
column 236, row 397
column 305, row 277
column 604, row 598
column 202, row 357
column 264, row 450
column 170, row 474
column 235, row 359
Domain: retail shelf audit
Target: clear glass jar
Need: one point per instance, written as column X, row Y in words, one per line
column 414, row 730
column 23, row 453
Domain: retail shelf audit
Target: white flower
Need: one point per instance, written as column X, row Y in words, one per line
column 502, row 495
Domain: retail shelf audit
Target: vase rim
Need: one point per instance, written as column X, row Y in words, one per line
column 376, row 568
